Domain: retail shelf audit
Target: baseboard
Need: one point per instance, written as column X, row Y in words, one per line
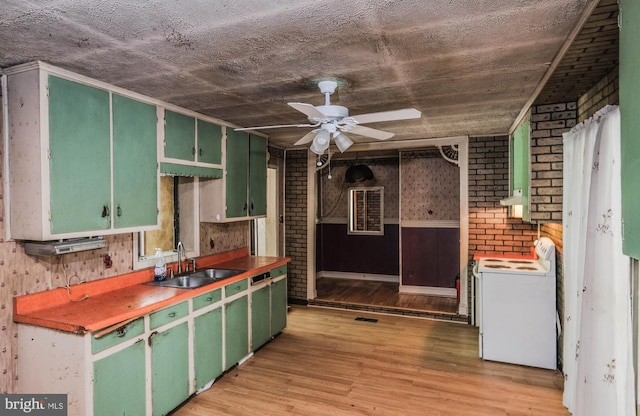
column 429, row 290
column 358, row 276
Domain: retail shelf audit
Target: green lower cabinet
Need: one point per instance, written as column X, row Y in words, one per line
column 119, row 383
column 236, row 331
column 170, row 368
column 207, row 347
column 260, row 317
column 278, row 306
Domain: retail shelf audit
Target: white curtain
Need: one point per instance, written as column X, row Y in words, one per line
column 597, row 350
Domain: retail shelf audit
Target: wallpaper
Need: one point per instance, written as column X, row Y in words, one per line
column 430, row 189
column 334, row 192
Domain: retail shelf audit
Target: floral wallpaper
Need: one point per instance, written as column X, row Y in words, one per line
column 430, row 188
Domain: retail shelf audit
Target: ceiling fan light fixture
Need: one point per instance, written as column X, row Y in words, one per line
column 342, row 141
column 320, row 142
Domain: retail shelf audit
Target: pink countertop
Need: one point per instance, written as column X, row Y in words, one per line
column 116, row 299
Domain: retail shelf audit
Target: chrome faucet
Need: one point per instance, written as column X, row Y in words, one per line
column 181, row 256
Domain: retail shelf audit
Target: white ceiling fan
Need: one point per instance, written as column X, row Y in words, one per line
column 333, row 120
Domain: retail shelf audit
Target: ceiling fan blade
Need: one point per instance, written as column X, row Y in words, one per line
column 307, row 138
column 308, row 109
column 369, row 132
column 404, row 114
column 277, row 127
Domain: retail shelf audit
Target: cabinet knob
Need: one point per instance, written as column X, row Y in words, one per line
column 119, row 211
column 105, row 211
column 200, row 152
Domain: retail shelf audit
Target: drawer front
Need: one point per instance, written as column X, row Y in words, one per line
column 124, row 333
column 207, row 299
column 169, row 314
column 236, row 287
column 279, row 271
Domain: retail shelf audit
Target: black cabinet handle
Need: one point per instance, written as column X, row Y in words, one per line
column 105, row 211
column 193, row 151
column 119, row 211
column 200, row 151
column 245, row 207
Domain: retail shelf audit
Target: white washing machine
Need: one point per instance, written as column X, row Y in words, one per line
column 517, row 308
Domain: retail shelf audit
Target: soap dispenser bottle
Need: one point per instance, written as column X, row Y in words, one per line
column 160, row 271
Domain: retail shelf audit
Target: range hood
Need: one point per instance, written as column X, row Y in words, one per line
column 50, row 248
column 515, row 199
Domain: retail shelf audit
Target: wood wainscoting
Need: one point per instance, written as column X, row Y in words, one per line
column 328, row 363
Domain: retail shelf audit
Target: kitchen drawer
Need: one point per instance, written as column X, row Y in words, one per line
column 279, row 271
column 124, row 333
column 236, row 287
column 169, row 314
column 207, row 299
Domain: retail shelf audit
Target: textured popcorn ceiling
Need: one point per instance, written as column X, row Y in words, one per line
column 469, row 66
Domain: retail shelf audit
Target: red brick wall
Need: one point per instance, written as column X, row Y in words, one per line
column 489, row 228
column 296, row 222
column 548, row 122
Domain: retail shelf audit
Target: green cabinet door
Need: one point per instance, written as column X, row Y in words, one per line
column 260, row 317
column 630, row 124
column 236, row 331
column 170, row 369
column 207, row 347
column 257, row 176
column 209, row 143
column 79, row 157
column 278, row 306
column 135, row 175
column 237, row 173
column 119, row 383
column 179, row 136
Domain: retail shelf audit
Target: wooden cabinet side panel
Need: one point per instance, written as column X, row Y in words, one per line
column 27, row 122
column 54, row 362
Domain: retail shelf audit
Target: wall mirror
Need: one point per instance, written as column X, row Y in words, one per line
column 366, row 210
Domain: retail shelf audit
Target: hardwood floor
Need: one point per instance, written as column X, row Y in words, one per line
column 327, row 363
column 380, row 294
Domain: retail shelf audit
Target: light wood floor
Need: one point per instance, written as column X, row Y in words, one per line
column 383, row 294
column 327, row 363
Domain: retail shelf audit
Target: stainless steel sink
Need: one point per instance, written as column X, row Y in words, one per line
column 197, row 279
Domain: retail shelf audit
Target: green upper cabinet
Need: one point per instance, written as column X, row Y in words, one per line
column 519, row 172
column 257, row 176
column 237, row 164
column 630, row 124
column 82, row 159
column 245, row 181
column 135, row 174
column 209, row 143
column 192, row 146
column 79, row 157
column 179, row 136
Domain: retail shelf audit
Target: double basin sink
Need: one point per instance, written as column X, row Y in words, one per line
column 197, row 279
